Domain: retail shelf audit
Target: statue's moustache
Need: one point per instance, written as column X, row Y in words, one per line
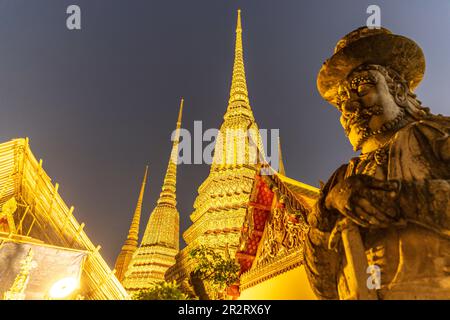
column 362, row 117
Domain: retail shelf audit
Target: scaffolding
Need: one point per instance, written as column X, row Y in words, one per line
column 43, row 216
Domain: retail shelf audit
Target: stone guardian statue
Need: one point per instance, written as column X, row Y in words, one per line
column 388, row 209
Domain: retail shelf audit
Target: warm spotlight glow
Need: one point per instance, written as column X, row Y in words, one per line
column 63, row 288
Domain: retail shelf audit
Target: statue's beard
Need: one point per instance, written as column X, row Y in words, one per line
column 360, row 120
column 361, row 125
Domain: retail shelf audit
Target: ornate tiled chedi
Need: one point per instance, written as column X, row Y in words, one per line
column 223, row 197
column 160, row 242
column 131, row 243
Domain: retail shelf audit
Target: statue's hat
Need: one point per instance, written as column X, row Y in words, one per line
column 371, row 46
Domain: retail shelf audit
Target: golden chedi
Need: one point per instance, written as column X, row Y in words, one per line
column 223, row 197
column 131, row 243
column 160, row 242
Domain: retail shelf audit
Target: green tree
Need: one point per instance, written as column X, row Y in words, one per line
column 219, row 270
column 161, row 291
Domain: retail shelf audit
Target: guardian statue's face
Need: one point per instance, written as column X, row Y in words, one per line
column 367, row 106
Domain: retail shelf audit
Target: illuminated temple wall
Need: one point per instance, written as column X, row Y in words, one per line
column 290, row 285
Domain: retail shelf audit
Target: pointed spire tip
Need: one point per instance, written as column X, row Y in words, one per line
column 238, row 91
column 281, row 168
column 238, row 26
column 180, row 113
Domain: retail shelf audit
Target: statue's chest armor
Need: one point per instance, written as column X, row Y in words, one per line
column 373, row 164
column 409, row 256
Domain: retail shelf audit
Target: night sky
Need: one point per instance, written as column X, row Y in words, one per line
column 100, row 103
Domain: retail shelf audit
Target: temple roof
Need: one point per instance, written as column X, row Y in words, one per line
column 300, row 191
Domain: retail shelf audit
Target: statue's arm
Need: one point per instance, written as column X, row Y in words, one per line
column 427, row 202
column 321, row 263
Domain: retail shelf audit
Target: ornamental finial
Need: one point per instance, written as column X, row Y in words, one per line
column 180, row 113
column 238, row 25
column 281, row 169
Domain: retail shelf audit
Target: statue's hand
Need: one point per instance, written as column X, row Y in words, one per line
column 367, row 201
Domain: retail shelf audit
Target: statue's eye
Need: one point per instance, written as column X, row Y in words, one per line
column 364, row 88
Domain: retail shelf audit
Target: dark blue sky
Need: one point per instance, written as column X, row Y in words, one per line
column 100, row 103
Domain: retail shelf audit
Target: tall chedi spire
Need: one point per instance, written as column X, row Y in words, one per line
column 160, row 242
column 131, row 243
column 233, row 146
column 239, row 102
column 223, row 198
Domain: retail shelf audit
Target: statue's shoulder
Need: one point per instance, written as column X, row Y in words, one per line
column 338, row 175
column 432, row 127
column 431, row 132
